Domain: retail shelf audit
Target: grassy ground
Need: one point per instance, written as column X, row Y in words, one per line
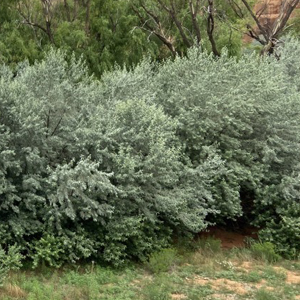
column 205, row 273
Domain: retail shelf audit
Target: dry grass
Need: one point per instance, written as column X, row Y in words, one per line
column 14, row 291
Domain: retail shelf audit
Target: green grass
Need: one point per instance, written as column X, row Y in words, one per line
column 205, row 272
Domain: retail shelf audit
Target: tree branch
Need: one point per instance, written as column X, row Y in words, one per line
column 254, row 17
column 286, row 10
column 27, row 21
column 211, row 27
column 173, row 15
column 158, row 30
column 194, row 12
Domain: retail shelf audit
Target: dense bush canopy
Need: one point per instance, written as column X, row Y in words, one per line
column 112, row 170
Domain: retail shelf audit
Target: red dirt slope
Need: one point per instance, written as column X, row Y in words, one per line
column 230, row 239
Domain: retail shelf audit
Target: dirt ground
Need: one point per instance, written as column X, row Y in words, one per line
column 230, row 239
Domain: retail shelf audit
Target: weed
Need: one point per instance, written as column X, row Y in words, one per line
column 242, row 254
column 199, row 292
column 229, row 274
column 252, row 276
column 209, row 244
column 263, row 294
column 9, row 260
column 271, row 274
column 162, row 261
column 265, row 251
column 159, row 289
column 291, row 265
column 227, row 265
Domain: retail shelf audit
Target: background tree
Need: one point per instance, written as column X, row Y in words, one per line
column 267, row 32
column 122, row 32
column 103, row 32
column 182, row 24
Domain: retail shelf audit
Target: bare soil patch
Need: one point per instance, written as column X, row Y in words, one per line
column 291, row 277
column 223, row 297
column 230, row 239
column 178, row 296
column 263, row 284
column 246, row 266
column 234, row 286
column 222, row 284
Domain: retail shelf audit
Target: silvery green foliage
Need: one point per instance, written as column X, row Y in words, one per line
column 242, row 112
column 244, row 109
column 47, row 179
column 73, row 191
column 129, row 84
column 289, row 61
column 112, row 169
column 42, row 117
column 83, row 173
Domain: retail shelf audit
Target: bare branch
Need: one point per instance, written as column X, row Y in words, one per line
column 211, row 27
column 194, row 12
column 253, row 34
column 48, row 18
column 158, row 30
column 254, row 17
column 87, row 16
column 236, row 8
column 286, row 10
column 27, row 18
column 173, row 15
column 57, row 125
